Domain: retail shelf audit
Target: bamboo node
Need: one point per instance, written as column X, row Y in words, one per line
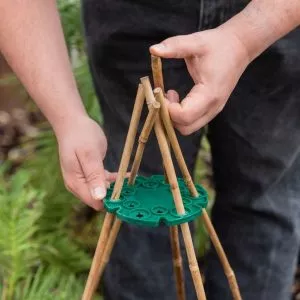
column 174, row 186
column 143, row 140
column 230, row 274
column 188, row 180
column 178, row 262
column 194, row 268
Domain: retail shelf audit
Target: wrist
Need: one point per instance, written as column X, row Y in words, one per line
column 254, row 40
column 260, row 24
column 67, row 119
column 237, row 46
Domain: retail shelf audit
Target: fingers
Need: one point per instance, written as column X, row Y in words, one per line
column 191, row 108
column 90, row 160
column 75, row 181
column 83, row 177
column 195, row 111
column 200, row 123
column 110, row 176
column 180, row 46
column 172, row 96
column 81, row 191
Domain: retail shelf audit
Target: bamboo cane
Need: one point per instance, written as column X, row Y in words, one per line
column 222, row 256
column 174, row 142
column 153, row 109
column 133, row 126
column 109, row 246
column 190, row 184
column 158, row 79
column 174, row 236
column 92, row 280
column 177, row 262
column 130, row 139
column 148, row 125
column 193, row 264
column 157, row 72
column 167, row 159
column 148, row 90
column 93, row 277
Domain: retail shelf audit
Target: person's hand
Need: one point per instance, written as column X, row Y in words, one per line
column 82, row 148
column 215, row 59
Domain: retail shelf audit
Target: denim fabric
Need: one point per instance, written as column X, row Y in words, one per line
column 255, row 145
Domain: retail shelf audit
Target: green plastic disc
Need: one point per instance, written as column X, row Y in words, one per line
column 149, row 202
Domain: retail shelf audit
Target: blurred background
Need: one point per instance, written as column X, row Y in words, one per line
column 47, row 237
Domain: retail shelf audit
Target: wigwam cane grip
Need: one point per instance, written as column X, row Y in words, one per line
column 159, row 199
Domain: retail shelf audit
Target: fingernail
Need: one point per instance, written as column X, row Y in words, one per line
column 98, row 193
column 158, row 47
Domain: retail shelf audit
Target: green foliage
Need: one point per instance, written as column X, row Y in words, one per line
column 37, row 254
column 48, row 284
column 86, row 89
column 71, row 22
column 18, row 224
column 41, row 253
column 40, row 256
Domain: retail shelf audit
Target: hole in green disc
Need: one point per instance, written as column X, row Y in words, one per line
column 127, row 191
column 151, row 184
column 159, row 210
column 140, row 214
column 131, row 204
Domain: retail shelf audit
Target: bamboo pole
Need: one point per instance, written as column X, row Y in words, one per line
column 130, row 139
column 148, row 125
column 109, row 246
column 148, row 90
column 158, row 79
column 153, row 110
column 190, row 184
column 157, row 72
column 93, row 278
column 177, row 263
column 140, row 98
column 167, row 159
column 174, row 142
column 234, row 287
column 174, row 235
column 193, row 264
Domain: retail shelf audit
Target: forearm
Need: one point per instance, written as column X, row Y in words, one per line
column 32, row 41
column 263, row 22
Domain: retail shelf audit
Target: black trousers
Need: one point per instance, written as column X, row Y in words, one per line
column 255, row 144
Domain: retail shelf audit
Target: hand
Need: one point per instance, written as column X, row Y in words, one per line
column 82, row 148
column 215, row 59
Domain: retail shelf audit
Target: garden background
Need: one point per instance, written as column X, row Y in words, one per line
column 47, row 237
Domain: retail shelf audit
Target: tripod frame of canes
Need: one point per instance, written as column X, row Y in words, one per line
column 159, row 199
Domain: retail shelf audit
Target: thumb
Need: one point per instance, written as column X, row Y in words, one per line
column 172, row 96
column 180, row 46
column 94, row 173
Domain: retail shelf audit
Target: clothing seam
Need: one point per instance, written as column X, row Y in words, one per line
column 201, row 15
column 273, row 256
column 287, row 168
